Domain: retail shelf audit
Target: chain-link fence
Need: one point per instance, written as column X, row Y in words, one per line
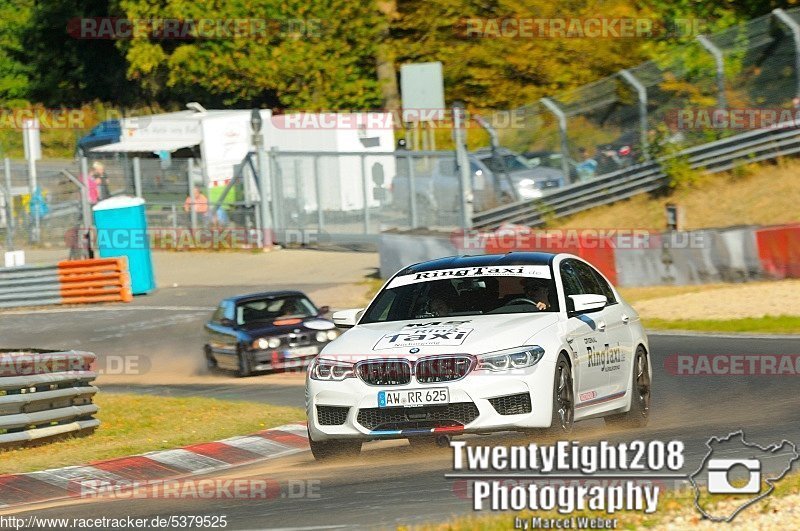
column 689, row 96
column 685, row 97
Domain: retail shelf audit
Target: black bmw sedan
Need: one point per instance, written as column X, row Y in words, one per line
column 267, row 331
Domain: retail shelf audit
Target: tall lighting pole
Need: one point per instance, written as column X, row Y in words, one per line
column 266, row 236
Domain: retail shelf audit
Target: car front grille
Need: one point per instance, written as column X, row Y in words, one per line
column 443, row 369
column 296, row 339
column 459, row 413
column 512, row 404
column 385, row 372
column 332, row 415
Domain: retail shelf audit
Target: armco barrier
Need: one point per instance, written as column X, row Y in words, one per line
column 779, row 250
column 638, row 258
column 45, row 393
column 68, row 282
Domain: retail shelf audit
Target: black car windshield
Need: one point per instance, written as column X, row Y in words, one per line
column 272, row 308
column 455, row 297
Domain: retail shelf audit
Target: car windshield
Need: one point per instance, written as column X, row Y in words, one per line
column 509, row 162
column 455, row 297
column 272, row 308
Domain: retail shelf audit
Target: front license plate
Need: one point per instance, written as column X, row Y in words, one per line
column 300, row 352
column 414, row 397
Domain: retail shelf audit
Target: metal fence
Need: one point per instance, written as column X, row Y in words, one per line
column 627, row 124
column 45, row 393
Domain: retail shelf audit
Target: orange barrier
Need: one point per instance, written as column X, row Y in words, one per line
column 94, row 280
column 779, row 251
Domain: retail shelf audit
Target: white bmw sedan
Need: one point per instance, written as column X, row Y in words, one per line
column 480, row 344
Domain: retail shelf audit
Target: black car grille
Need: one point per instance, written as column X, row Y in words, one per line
column 460, row 413
column 443, row 369
column 385, row 372
column 296, row 339
column 332, row 415
column 512, row 404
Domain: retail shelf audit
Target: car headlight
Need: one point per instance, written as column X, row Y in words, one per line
column 329, row 335
column 264, row 343
column 331, row 370
column 517, row 358
column 528, row 190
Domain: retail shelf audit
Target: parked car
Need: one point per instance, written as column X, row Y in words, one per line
column 266, row 331
column 480, row 344
column 552, row 159
column 529, row 179
column 106, row 132
column 498, row 177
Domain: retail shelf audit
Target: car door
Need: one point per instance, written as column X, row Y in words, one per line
column 586, row 340
column 221, row 335
column 614, row 351
column 619, row 333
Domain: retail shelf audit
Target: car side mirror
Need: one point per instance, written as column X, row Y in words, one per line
column 347, row 318
column 322, row 310
column 227, row 322
column 588, row 302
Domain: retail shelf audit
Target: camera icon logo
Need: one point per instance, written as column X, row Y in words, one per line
column 721, row 476
column 742, row 478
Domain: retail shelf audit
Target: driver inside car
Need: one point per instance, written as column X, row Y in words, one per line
column 538, row 291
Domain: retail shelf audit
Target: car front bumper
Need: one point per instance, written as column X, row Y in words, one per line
column 481, row 402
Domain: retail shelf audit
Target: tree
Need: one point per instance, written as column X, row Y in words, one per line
column 14, row 74
column 65, row 68
column 317, row 56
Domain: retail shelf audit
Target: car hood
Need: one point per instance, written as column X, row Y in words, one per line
column 474, row 334
column 537, row 174
column 269, row 328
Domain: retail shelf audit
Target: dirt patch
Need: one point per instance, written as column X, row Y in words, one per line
column 757, row 299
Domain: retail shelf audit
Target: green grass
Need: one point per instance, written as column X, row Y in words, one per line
column 782, row 324
column 133, row 424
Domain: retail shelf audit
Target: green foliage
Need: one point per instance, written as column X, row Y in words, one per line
column 14, row 17
column 305, row 57
column 327, row 54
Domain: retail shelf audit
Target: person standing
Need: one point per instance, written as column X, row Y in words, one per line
column 200, row 203
column 587, row 168
column 101, row 180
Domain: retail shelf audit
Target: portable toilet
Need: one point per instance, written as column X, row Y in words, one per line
column 121, row 226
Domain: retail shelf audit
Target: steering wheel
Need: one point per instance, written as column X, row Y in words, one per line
column 520, row 300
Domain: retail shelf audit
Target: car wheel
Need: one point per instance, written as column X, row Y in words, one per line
column 327, row 450
column 563, row 416
column 639, row 413
column 245, row 365
column 211, row 363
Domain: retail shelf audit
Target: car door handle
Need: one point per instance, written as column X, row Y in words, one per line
column 601, row 326
column 625, row 319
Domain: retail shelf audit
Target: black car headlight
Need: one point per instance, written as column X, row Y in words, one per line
column 331, row 370
column 516, row 358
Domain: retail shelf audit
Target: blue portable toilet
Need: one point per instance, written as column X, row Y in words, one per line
column 121, row 226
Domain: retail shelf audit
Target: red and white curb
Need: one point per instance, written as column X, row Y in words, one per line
column 61, row 483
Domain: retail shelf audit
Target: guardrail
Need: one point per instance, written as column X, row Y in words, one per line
column 720, row 155
column 45, row 393
column 68, row 282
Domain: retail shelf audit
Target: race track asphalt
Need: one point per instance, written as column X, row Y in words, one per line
column 393, row 484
